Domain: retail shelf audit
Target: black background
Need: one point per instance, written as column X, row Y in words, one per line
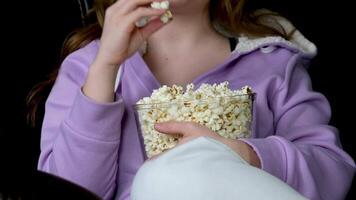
column 33, row 32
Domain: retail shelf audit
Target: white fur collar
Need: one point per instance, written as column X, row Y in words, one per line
column 297, row 42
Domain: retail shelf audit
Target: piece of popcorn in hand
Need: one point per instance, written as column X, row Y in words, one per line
column 156, row 5
column 164, row 17
column 160, row 5
column 142, row 22
column 164, row 4
column 227, row 112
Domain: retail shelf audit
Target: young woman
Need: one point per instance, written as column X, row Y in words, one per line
column 89, row 133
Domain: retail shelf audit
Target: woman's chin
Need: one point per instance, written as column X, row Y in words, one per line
column 186, row 5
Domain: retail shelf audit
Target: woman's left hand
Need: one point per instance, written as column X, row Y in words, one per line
column 191, row 130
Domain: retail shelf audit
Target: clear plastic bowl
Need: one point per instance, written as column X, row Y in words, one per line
column 229, row 116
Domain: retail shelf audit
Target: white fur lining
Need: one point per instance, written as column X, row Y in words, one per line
column 297, row 40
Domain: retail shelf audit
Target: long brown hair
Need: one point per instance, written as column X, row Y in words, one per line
column 233, row 17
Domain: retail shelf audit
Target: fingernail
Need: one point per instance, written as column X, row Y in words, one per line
column 158, row 126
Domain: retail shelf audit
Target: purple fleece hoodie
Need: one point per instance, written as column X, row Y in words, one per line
column 97, row 145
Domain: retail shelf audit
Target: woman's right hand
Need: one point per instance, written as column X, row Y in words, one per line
column 120, row 37
column 119, row 40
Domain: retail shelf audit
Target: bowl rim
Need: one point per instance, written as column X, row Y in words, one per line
column 138, row 105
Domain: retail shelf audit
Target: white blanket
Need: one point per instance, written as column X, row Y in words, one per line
column 206, row 169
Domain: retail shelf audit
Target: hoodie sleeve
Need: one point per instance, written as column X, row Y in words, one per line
column 305, row 152
column 80, row 138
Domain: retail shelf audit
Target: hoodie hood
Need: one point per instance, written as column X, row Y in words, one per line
column 297, row 42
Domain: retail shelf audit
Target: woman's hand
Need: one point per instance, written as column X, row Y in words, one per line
column 191, row 130
column 119, row 40
column 120, row 37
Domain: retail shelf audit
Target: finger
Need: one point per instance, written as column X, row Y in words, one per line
column 153, row 26
column 132, row 5
column 115, row 7
column 186, row 129
column 125, row 7
column 141, row 12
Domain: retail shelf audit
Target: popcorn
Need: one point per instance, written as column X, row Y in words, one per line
column 160, row 5
column 166, row 16
column 157, row 5
column 227, row 112
column 142, row 22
